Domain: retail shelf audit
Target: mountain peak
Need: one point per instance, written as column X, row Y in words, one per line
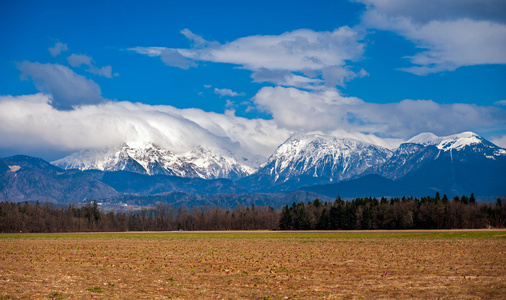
column 321, row 156
column 455, row 141
column 425, row 138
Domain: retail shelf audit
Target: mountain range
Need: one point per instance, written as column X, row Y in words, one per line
column 317, row 163
column 150, row 159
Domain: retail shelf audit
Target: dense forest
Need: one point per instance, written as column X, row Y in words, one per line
column 395, row 213
column 360, row 213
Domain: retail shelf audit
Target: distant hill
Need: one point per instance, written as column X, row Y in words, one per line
column 24, row 178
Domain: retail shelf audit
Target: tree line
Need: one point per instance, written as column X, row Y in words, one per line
column 360, row 213
column 395, row 213
column 38, row 218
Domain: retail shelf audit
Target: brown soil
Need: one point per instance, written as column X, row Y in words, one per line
column 226, row 268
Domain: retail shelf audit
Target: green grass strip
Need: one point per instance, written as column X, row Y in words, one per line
column 407, row 234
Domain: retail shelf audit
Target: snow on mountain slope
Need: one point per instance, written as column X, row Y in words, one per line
column 150, row 159
column 425, row 148
column 462, row 141
column 389, row 143
column 405, row 159
column 453, row 142
column 303, row 159
column 325, row 156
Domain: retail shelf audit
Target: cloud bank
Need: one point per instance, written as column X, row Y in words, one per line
column 30, row 122
column 328, row 110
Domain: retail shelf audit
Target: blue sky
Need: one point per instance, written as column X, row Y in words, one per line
column 389, row 69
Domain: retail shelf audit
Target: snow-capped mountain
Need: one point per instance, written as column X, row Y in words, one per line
column 323, row 156
column 150, row 159
column 457, row 164
column 425, row 148
column 317, row 158
column 452, row 163
column 312, row 159
column 459, row 142
column 405, row 159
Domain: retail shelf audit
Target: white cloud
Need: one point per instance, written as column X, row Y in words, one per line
column 450, row 34
column 58, row 49
column 338, row 76
column 390, row 143
column 77, row 60
column 197, row 40
column 302, row 51
column 104, row 71
column 67, row 89
column 299, row 110
column 30, row 122
column 230, row 104
column 174, row 58
column 227, row 92
column 294, row 51
column 149, row 51
column 258, row 136
column 500, row 102
column 499, row 141
column 285, row 78
column 171, row 57
column 326, row 110
column 424, row 11
column 410, row 117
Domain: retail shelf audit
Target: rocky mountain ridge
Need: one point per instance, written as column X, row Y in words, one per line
column 456, row 164
column 150, row 159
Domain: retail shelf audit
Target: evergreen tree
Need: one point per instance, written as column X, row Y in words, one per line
column 444, row 199
column 285, row 222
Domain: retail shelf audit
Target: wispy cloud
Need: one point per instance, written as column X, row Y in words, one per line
column 299, row 56
column 450, row 34
column 77, row 60
column 227, row 92
column 103, row 71
column 285, row 78
column 58, row 49
column 499, row 141
column 173, row 58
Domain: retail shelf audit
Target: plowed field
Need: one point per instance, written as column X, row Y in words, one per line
column 255, row 265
